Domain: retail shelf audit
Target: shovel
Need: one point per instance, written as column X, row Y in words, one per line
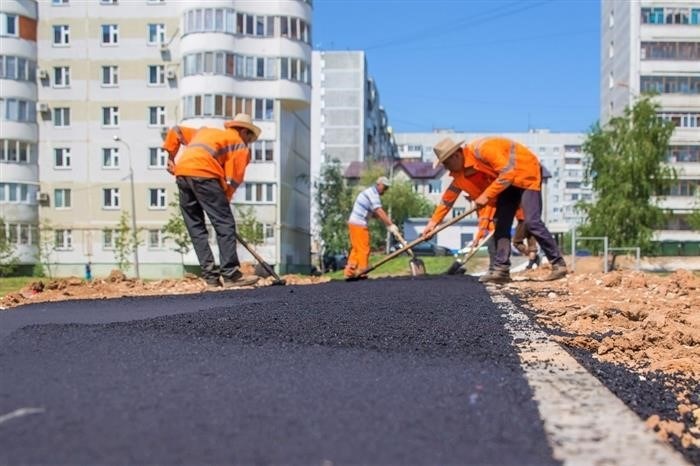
column 417, row 266
column 268, row 268
column 418, row 240
column 457, row 266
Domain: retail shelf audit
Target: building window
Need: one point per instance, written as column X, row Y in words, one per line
column 110, row 34
column 226, row 105
column 156, row 116
column 61, row 76
column 156, row 34
column 61, row 157
column 17, row 68
column 683, row 154
column 682, row 120
column 157, row 198
column 157, row 157
column 109, row 2
column 109, row 238
column 110, row 116
column 15, row 151
column 110, row 198
column 670, row 84
column 611, row 19
column 156, row 75
column 670, row 51
column 8, row 25
column 110, row 157
column 61, row 35
column 210, row 20
column 156, row 239
column 18, row 193
column 61, row 198
column 260, row 192
column 110, row 76
column 61, row 117
column 63, row 240
column 262, row 151
column 59, row 2
column 13, row 109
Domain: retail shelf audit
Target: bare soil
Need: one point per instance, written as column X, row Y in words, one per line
column 649, row 323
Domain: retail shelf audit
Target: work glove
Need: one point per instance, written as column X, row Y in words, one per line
column 394, row 230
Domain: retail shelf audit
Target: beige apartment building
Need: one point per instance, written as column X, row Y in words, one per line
column 114, row 76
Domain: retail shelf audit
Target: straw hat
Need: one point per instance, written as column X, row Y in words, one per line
column 384, row 180
column 243, row 120
column 444, row 149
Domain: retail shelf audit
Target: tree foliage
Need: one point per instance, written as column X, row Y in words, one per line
column 334, row 202
column 125, row 242
column 8, row 259
column 176, row 230
column 628, row 173
column 248, row 226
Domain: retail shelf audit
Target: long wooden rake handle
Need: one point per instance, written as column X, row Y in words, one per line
column 418, row 240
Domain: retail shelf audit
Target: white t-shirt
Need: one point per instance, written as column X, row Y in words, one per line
column 365, row 205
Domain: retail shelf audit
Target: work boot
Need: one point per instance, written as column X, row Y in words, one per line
column 212, row 282
column 495, row 276
column 558, row 272
column 238, row 280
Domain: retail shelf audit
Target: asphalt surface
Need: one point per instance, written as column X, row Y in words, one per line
column 392, row 371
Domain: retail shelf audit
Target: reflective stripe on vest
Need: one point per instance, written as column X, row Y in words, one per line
column 206, row 147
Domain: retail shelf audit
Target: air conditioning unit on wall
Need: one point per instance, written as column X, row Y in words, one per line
column 42, row 107
column 42, row 198
column 171, row 74
column 43, row 74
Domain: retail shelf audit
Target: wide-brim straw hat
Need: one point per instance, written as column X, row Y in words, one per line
column 243, row 120
column 384, row 180
column 444, row 149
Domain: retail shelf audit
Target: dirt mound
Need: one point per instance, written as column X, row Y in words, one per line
column 117, row 285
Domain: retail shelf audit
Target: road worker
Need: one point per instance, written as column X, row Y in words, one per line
column 518, row 179
column 472, row 183
column 367, row 204
column 207, row 172
column 178, row 136
column 524, row 242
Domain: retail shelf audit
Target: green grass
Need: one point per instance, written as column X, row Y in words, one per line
column 13, row 284
column 434, row 265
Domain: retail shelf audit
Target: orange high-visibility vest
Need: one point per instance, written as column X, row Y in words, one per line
column 178, row 136
column 512, row 163
column 473, row 185
column 216, row 153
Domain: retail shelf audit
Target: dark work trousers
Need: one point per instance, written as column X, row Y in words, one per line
column 523, row 240
column 200, row 195
column 531, row 203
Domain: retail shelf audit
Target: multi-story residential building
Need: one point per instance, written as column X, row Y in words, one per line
column 560, row 154
column 348, row 123
column 255, row 57
column 19, row 177
column 654, row 46
column 116, row 75
column 107, row 92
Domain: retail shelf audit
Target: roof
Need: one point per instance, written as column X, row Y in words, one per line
column 414, row 169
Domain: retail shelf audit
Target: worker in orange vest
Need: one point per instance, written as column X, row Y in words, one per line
column 472, row 183
column 207, row 173
column 517, row 182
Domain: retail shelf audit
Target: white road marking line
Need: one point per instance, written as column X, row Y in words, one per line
column 19, row 413
column 586, row 424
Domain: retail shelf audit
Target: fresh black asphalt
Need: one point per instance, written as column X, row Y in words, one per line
column 387, row 371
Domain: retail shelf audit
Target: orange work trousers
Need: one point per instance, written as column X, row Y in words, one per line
column 359, row 249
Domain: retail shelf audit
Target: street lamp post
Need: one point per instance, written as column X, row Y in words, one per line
column 133, row 206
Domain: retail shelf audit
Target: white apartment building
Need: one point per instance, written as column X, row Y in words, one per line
column 116, row 75
column 19, row 176
column 560, row 154
column 654, row 46
column 348, row 122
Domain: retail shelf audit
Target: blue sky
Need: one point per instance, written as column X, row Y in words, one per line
column 471, row 65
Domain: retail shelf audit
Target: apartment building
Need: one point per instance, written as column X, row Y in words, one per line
column 560, row 154
column 19, row 176
column 114, row 76
column 654, row 46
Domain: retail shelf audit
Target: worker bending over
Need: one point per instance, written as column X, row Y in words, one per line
column 208, row 171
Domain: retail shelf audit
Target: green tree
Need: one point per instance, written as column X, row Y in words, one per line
column 176, row 231
column 334, row 201
column 694, row 216
column 8, row 260
column 248, row 226
column 628, row 174
column 45, row 250
column 124, row 242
